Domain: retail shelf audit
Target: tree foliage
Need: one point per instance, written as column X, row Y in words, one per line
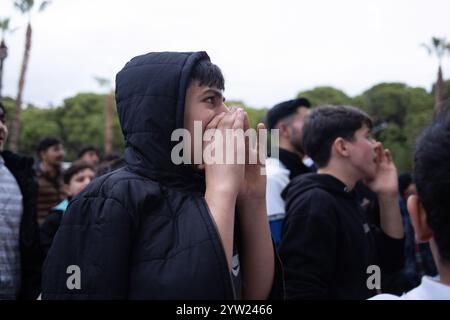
column 325, row 95
column 78, row 122
column 399, row 113
column 255, row 115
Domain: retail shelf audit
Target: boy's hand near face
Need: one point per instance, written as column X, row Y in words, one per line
column 253, row 186
column 385, row 182
column 224, row 180
column 257, row 248
column 385, row 185
column 245, row 185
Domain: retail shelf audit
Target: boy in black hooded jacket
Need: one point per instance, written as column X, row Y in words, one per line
column 329, row 248
column 159, row 230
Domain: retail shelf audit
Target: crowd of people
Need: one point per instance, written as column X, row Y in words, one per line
column 331, row 218
column 33, row 198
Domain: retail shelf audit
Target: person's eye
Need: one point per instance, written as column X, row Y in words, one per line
column 210, row 100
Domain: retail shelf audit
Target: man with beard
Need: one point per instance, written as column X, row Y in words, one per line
column 288, row 118
column 48, row 172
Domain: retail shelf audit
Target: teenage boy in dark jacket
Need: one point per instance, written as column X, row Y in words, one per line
column 75, row 178
column 159, row 230
column 328, row 247
column 429, row 209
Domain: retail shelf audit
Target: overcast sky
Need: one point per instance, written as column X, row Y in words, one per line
column 268, row 50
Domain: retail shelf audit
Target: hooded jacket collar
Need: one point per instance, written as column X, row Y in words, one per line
column 309, row 181
column 150, row 98
column 293, row 163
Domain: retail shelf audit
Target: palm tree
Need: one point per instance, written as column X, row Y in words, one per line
column 438, row 47
column 26, row 8
column 108, row 139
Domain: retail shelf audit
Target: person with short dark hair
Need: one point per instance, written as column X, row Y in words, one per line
column 430, row 208
column 418, row 257
column 162, row 229
column 288, row 118
column 51, row 153
column 89, row 154
column 110, row 163
column 327, row 243
column 75, row 178
column 20, row 254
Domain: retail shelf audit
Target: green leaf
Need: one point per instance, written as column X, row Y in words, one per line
column 4, row 24
column 24, row 6
column 44, row 5
column 325, row 95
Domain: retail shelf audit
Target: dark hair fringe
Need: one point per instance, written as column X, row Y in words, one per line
column 46, row 143
column 87, row 149
column 432, row 178
column 208, row 74
column 74, row 169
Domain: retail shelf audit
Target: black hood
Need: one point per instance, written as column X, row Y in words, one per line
column 308, row 181
column 150, row 96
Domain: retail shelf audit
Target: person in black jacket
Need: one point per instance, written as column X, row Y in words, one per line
column 329, row 248
column 429, row 208
column 159, row 230
column 75, row 179
column 16, row 173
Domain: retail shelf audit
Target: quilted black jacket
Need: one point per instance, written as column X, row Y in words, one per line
column 144, row 231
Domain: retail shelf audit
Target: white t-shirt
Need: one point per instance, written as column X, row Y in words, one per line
column 277, row 180
column 308, row 162
column 429, row 289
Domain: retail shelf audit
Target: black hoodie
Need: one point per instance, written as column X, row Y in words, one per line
column 327, row 242
column 144, row 231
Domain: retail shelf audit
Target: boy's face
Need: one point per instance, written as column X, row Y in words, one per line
column 202, row 103
column 90, row 157
column 54, row 155
column 3, row 129
column 362, row 153
column 79, row 181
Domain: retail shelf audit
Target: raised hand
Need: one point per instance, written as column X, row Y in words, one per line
column 254, row 184
column 385, row 180
column 224, row 177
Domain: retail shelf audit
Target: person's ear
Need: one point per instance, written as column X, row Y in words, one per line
column 284, row 130
column 418, row 217
column 66, row 189
column 341, row 147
